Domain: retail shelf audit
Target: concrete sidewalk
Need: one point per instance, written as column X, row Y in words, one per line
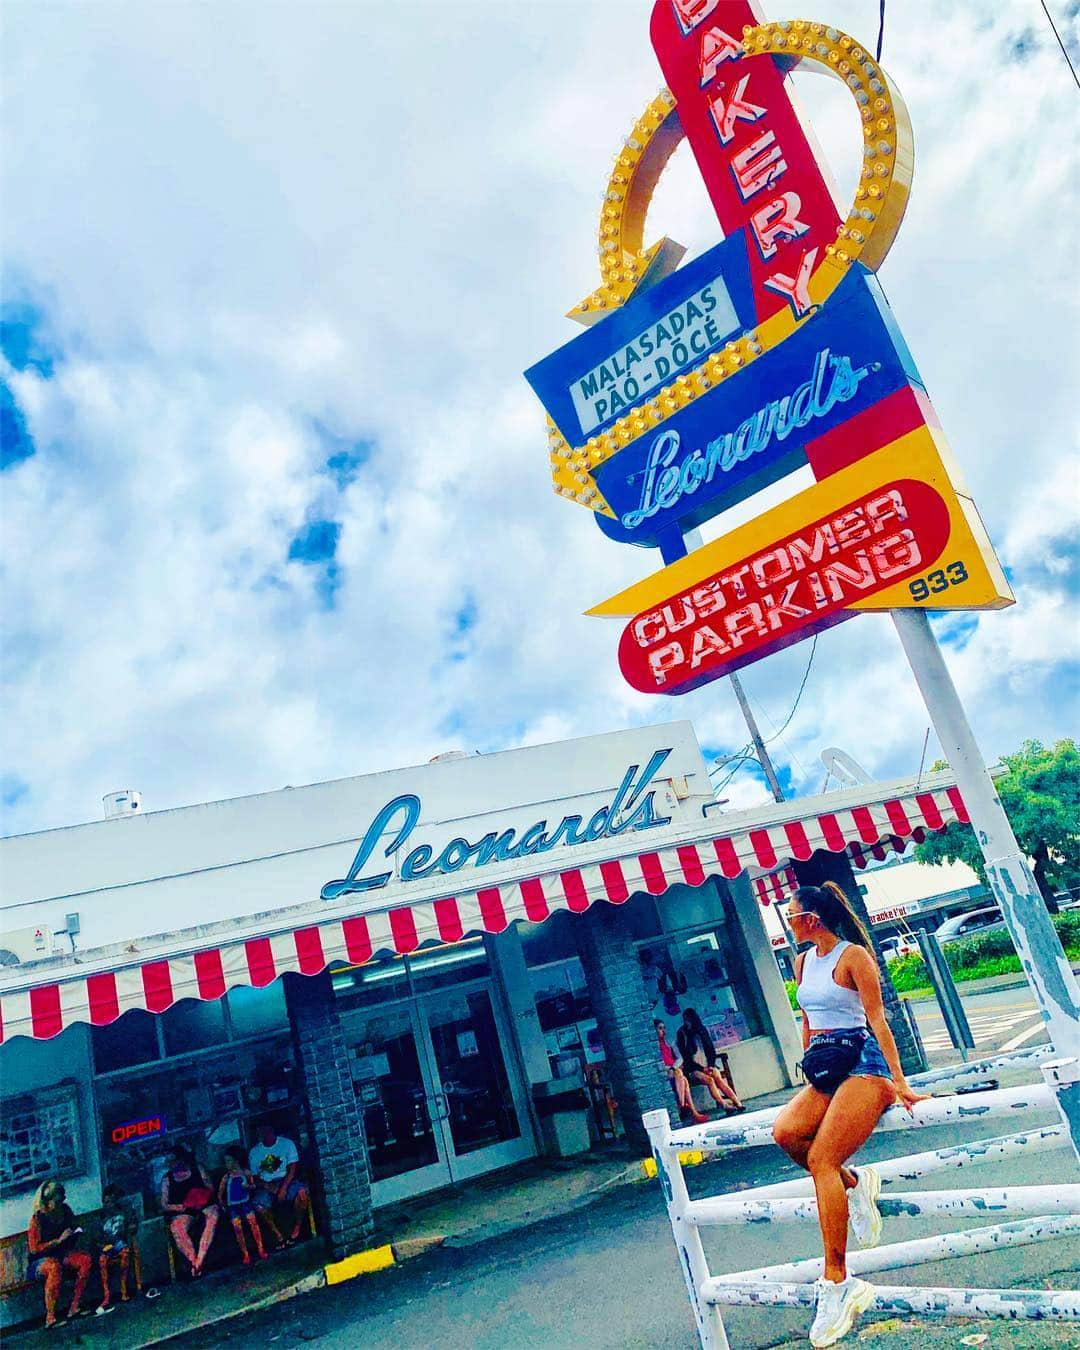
column 482, row 1211
column 461, row 1216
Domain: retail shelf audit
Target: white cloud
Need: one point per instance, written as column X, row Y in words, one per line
column 373, row 219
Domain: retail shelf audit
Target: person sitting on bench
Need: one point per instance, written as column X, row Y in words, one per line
column 274, row 1161
column 186, row 1195
column 118, row 1229
column 699, row 1061
column 51, row 1239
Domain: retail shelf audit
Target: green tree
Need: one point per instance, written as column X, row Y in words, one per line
column 1040, row 791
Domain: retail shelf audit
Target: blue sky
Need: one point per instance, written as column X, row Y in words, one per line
column 276, row 505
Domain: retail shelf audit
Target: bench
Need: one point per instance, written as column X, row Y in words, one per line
column 13, row 1262
column 15, row 1257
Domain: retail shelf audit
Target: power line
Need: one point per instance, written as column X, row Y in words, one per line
column 1064, row 49
column 798, row 696
column 881, row 29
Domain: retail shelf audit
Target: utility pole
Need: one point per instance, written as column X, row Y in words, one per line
column 755, row 736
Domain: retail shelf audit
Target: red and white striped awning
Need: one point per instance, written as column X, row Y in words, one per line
column 776, row 887
column 44, row 1008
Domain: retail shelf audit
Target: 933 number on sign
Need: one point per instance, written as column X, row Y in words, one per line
column 952, row 574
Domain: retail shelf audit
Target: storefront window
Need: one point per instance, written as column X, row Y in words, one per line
column 40, row 1137
column 192, row 1024
column 564, row 1008
column 438, row 967
column 255, row 1012
column 131, row 1039
column 208, row 1101
column 703, row 970
column 363, row 986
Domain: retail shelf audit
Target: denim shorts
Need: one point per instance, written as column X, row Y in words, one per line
column 871, row 1063
column 266, row 1195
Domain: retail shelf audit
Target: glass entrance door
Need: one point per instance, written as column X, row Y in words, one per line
column 398, row 1103
column 438, row 1101
column 480, row 1108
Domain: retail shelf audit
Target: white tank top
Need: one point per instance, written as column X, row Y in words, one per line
column 828, row 1006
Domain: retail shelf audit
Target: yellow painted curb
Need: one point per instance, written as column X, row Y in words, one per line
column 690, row 1158
column 361, row 1263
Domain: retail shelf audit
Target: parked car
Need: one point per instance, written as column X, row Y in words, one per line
column 898, row 945
column 974, row 921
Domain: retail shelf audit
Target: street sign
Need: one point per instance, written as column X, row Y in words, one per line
column 890, row 530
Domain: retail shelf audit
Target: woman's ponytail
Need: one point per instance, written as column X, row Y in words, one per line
column 833, row 908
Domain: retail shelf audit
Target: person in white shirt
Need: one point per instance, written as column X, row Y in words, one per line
column 274, row 1161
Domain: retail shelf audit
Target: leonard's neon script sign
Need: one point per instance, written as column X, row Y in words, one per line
column 633, row 807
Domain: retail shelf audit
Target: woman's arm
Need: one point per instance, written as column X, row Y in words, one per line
column 863, row 970
column 798, row 981
column 164, row 1198
column 34, row 1243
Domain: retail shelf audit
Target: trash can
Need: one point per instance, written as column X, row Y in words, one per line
column 562, row 1107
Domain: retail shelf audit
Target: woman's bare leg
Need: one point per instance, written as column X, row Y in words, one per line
column 82, row 1265
column 797, row 1124
column 852, row 1114
column 180, row 1228
column 703, row 1076
column 210, row 1222
column 51, row 1270
column 256, row 1233
column 725, row 1087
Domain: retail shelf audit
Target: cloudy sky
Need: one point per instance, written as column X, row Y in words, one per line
column 276, row 503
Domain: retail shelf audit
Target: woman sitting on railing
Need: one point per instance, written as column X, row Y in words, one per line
column 854, row 1075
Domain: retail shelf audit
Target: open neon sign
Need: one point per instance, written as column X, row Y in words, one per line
column 137, row 1129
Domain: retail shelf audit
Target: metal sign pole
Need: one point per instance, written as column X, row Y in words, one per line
column 945, row 991
column 1014, row 888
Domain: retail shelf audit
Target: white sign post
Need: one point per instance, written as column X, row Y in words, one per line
column 1056, row 988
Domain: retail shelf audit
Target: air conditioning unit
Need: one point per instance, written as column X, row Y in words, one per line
column 19, row 946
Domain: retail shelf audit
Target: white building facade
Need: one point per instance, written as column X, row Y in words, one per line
column 407, row 972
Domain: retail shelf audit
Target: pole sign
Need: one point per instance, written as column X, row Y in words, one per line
column 888, row 531
column 692, row 389
column 750, row 144
column 732, row 441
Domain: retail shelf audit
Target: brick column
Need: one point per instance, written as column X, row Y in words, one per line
column 828, row 866
column 335, row 1124
column 624, row 1018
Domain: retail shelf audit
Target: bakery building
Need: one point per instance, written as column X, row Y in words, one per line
column 420, row 976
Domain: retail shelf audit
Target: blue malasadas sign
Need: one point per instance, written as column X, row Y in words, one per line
column 730, row 442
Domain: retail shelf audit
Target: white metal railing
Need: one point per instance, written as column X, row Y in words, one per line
column 1050, row 1212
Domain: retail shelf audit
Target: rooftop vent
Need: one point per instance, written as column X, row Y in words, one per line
column 127, row 802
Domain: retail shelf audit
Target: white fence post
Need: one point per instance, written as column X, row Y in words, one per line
column 710, row 1325
column 1054, row 1208
column 1050, row 975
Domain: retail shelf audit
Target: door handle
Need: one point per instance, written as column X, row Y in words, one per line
column 439, row 1098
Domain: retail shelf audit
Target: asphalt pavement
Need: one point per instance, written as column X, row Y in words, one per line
column 606, row 1277
column 1000, row 1019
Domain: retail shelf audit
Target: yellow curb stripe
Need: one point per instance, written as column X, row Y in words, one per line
column 360, row 1263
column 690, row 1158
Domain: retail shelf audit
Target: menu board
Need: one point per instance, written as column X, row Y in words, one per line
column 40, row 1137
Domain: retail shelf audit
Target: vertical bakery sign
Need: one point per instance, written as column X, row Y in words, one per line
column 694, row 386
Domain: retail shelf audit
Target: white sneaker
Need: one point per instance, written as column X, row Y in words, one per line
column 838, row 1305
column 863, row 1210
